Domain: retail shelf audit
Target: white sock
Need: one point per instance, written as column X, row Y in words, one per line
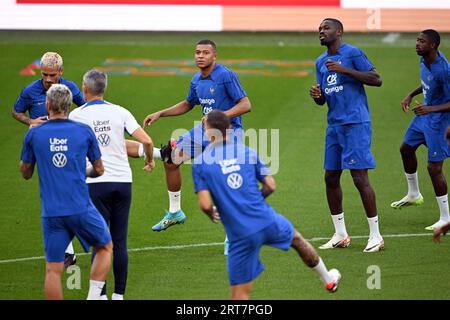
column 95, row 289
column 339, row 224
column 69, row 248
column 443, row 207
column 374, row 229
column 117, row 296
column 103, row 297
column 156, row 152
column 413, row 185
column 174, row 201
column 321, row 269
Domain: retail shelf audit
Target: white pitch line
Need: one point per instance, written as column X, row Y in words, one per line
column 197, row 245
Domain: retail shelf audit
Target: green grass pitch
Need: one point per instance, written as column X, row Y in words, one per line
column 411, row 266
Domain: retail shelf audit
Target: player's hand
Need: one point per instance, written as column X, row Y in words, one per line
column 151, row 118
column 334, row 66
column 35, row 122
column 315, row 92
column 447, row 134
column 149, row 165
column 438, row 232
column 406, row 102
column 420, row 110
column 215, row 217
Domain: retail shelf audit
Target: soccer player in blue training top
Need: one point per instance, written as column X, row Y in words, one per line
column 428, row 126
column 227, row 175
column 111, row 193
column 213, row 87
column 32, row 99
column 443, row 229
column 60, row 147
column 342, row 71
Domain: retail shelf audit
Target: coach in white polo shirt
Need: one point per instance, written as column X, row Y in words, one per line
column 111, row 193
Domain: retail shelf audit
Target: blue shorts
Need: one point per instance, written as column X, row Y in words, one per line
column 348, row 147
column 243, row 255
column 421, row 131
column 195, row 141
column 90, row 228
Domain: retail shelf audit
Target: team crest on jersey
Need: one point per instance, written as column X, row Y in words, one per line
column 211, row 90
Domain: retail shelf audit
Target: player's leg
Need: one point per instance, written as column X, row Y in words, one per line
column 136, row 150
column 102, row 198
column 174, row 154
column 440, row 189
column 333, row 171
column 241, row 291
column 56, row 237
column 362, row 183
column 91, row 230
column 330, row 278
column 53, row 288
column 414, row 137
column 119, row 232
column 438, row 151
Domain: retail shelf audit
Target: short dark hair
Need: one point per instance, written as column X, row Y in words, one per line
column 218, row 120
column 336, row 22
column 210, row 42
column 433, row 35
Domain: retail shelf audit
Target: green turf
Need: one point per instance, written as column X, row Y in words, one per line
column 411, row 267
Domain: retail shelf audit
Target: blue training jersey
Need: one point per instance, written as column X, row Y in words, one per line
column 230, row 172
column 60, row 148
column 220, row 90
column 32, row 98
column 345, row 96
column 436, row 86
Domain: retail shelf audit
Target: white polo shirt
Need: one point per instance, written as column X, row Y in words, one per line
column 109, row 123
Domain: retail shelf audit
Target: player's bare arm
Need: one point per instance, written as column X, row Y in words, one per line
column 96, row 170
column 22, row 117
column 316, row 93
column 180, row 108
column 268, row 186
column 420, row 109
column 26, row 169
column 370, row 78
column 147, row 143
column 407, row 100
column 241, row 107
column 206, row 205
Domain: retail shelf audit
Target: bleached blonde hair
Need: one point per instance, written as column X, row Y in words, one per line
column 51, row 60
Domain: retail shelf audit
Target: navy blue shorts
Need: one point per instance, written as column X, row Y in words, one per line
column 348, row 147
column 90, row 228
column 243, row 255
column 421, row 131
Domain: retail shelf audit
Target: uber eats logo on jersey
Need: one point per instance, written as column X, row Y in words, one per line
column 58, row 146
column 102, row 126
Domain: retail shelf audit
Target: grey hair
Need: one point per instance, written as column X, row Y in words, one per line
column 95, row 82
column 59, row 97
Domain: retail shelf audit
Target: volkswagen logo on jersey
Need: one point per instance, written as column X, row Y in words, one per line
column 332, row 79
column 59, row 160
column 103, row 139
column 234, row 181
